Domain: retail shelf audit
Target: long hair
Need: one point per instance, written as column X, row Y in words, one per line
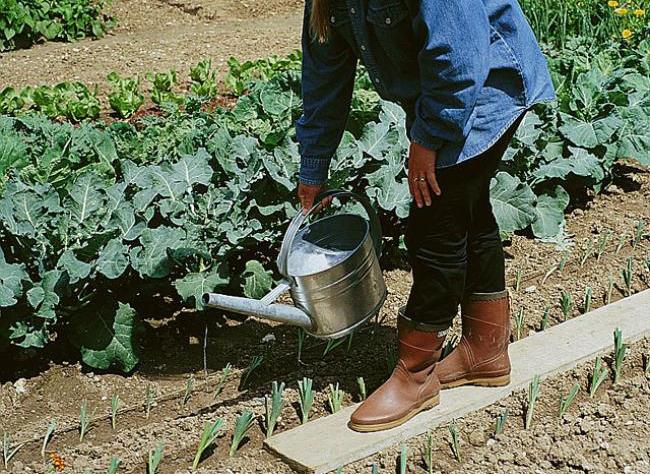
column 319, row 19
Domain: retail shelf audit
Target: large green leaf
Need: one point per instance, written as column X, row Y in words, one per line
column 194, row 285
column 589, row 134
column 106, row 337
column 257, row 281
column 77, row 270
column 513, row 202
column 113, row 259
column 151, row 260
column 12, row 276
column 550, row 213
column 43, row 296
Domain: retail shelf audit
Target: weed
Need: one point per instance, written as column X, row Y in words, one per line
column 501, row 421
column 547, row 311
column 586, row 302
column 301, row 341
column 449, row 346
column 598, row 376
column 533, row 395
column 362, row 388
column 557, row 267
column 242, row 426
column 403, row 457
column 277, row 401
column 567, row 400
column 628, row 274
column 610, row 289
column 621, row 242
column 602, row 244
column 84, row 420
column 519, row 322
column 189, row 385
column 222, row 380
column 115, row 405
column 619, row 353
column 333, row 344
column 335, row 397
column 154, row 458
column 454, row 442
column 518, row 277
column 208, row 437
column 306, row 395
column 115, row 465
column 587, row 252
column 8, row 451
column 566, row 304
column 638, row 232
column 427, row 453
column 255, row 363
column 51, row 426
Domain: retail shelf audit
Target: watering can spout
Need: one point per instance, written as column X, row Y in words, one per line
column 276, row 312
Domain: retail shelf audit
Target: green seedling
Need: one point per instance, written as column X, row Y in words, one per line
column 638, row 232
column 154, row 459
column 587, row 252
column 602, row 244
column 115, row 465
column 189, row 385
column 339, row 470
column 301, row 341
column 586, row 303
column 350, row 336
column 619, row 353
column 557, row 267
column 598, row 376
column 621, row 242
column 333, row 344
column 374, row 469
column 242, row 426
column 115, row 405
column 335, row 397
column 500, row 424
column 51, row 427
column 150, row 399
column 533, row 395
column 204, row 79
column 646, row 369
column 255, row 363
column 519, row 322
column 306, row 395
column 567, row 400
column 427, row 453
column 84, row 420
column 8, row 451
column 208, row 437
column 125, row 97
column 273, row 407
column 563, row 261
column 518, row 277
column 454, row 441
column 449, row 346
column 547, row 311
column 566, row 304
column 222, row 380
column 628, row 273
column 362, row 388
column 403, row 457
column 610, row 289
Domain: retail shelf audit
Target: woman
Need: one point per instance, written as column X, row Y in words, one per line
column 465, row 72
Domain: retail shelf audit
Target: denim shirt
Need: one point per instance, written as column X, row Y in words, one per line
column 463, row 70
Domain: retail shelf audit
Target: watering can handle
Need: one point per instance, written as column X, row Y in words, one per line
column 300, row 219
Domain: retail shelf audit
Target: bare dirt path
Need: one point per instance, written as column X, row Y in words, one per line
column 158, row 35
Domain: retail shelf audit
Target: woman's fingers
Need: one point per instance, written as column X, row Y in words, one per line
column 424, row 190
column 433, row 183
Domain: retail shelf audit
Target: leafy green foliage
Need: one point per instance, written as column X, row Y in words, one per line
column 125, row 98
column 23, row 22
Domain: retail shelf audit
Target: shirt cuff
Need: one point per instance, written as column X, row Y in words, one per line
column 421, row 136
column 314, row 170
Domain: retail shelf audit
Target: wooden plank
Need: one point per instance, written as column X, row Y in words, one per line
column 326, row 444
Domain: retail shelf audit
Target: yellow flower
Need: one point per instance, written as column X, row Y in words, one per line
column 626, row 33
column 613, row 3
column 621, row 11
column 638, row 12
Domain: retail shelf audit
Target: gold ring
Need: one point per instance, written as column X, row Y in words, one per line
column 421, row 179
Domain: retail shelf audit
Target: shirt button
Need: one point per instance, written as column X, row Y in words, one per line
column 333, row 19
column 363, row 47
column 388, row 20
column 352, row 10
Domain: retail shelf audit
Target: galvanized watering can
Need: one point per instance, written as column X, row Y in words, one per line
column 331, row 267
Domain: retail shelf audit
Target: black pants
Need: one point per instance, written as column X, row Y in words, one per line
column 454, row 246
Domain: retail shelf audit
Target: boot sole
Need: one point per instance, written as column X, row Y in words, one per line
column 481, row 382
column 430, row 403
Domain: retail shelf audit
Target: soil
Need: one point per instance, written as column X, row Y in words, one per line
column 607, row 433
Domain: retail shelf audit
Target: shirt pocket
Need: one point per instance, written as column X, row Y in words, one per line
column 391, row 25
column 340, row 22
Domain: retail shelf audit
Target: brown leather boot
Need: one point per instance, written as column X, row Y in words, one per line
column 411, row 388
column 481, row 357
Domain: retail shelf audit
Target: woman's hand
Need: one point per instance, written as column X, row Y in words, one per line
column 422, row 174
column 307, row 194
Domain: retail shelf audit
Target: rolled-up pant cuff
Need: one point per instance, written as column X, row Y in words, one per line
column 441, row 329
